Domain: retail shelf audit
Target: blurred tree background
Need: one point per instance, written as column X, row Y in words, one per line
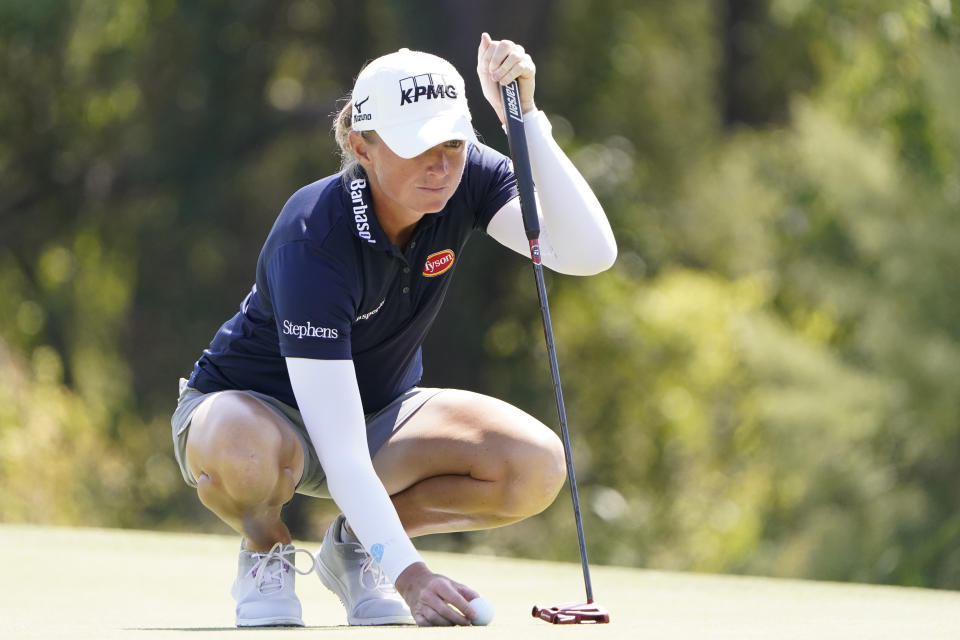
column 767, row 382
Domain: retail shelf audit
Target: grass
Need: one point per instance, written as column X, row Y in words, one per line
column 109, row 584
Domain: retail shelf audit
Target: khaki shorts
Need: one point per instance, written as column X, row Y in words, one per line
column 313, row 482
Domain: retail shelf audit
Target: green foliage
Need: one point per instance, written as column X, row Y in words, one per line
column 764, row 383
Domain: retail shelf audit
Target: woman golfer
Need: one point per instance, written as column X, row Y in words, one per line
column 312, row 386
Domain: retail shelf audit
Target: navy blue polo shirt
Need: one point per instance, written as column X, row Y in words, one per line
column 330, row 285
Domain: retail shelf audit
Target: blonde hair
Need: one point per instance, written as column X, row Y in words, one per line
column 342, row 126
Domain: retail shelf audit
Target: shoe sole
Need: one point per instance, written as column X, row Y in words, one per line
column 332, row 582
column 271, row 622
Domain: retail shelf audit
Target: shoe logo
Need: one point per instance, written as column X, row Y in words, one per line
column 438, row 263
column 377, row 552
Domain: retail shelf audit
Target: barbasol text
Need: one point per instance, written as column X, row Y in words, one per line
column 308, row 330
column 360, row 209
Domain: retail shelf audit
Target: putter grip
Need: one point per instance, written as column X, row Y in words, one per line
column 517, row 140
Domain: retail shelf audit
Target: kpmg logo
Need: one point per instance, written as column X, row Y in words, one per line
column 360, row 116
column 308, row 330
column 428, row 86
column 360, row 209
column 513, row 104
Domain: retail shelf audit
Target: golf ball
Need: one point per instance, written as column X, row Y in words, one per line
column 484, row 611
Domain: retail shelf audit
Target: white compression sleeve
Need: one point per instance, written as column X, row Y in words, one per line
column 329, row 401
column 575, row 236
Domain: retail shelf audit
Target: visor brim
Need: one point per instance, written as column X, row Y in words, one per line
column 413, row 138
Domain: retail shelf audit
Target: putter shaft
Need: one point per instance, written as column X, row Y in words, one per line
column 516, row 137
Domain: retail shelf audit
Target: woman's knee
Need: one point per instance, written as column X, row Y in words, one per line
column 463, row 433
column 521, row 452
column 536, row 472
column 239, row 446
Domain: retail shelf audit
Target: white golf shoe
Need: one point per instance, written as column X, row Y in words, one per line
column 264, row 588
column 365, row 591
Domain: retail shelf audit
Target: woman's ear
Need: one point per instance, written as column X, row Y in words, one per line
column 360, row 147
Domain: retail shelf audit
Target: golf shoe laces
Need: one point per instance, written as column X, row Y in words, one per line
column 269, row 570
column 372, row 575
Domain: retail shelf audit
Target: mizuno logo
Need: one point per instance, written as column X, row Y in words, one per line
column 428, row 86
column 359, row 116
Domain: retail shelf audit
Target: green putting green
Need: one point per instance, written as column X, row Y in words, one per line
column 109, row 584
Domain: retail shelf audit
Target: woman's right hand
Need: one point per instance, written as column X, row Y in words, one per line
column 430, row 596
column 500, row 62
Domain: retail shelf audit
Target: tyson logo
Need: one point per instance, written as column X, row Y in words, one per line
column 438, row 263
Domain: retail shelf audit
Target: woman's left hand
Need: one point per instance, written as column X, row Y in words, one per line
column 500, row 62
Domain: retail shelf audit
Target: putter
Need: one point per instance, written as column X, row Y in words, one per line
column 586, row 612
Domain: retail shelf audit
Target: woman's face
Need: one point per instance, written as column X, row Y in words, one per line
column 415, row 186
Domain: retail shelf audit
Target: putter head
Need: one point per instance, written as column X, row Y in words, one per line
column 583, row 613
